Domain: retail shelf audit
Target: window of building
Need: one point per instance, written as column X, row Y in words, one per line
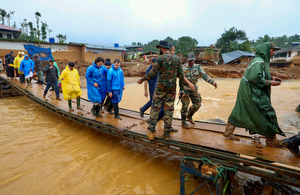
column 201, row 54
column 1, row 35
column 9, row 36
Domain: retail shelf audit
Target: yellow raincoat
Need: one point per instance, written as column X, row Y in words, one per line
column 71, row 84
column 17, row 62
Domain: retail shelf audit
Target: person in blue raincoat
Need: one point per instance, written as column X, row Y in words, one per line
column 27, row 66
column 96, row 84
column 115, row 85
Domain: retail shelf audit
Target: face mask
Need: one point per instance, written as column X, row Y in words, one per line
column 160, row 52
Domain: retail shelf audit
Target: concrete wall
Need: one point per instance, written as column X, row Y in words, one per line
column 90, row 56
column 61, row 52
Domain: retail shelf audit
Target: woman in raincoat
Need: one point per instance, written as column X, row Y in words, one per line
column 70, row 82
column 96, row 84
column 27, row 66
column 253, row 110
column 17, row 62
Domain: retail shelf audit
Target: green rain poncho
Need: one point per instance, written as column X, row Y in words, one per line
column 253, row 109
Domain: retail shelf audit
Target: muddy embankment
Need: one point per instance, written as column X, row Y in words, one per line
column 137, row 69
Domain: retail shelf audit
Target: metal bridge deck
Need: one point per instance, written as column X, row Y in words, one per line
column 203, row 139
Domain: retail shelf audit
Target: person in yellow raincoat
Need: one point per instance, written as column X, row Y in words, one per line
column 17, row 61
column 70, row 83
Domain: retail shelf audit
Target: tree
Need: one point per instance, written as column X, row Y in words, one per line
column 8, row 16
column 31, row 29
column 3, row 14
column 37, row 16
column 44, row 32
column 49, row 31
column 171, row 41
column 15, row 25
column 61, row 38
column 24, row 26
column 186, row 45
column 232, row 39
column 134, row 43
column 264, row 39
column 151, row 46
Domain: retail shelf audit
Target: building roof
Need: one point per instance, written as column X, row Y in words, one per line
column 132, row 46
column 231, row 56
column 104, row 47
column 287, row 49
column 4, row 27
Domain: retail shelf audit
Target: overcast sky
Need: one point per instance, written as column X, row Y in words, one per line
column 125, row 21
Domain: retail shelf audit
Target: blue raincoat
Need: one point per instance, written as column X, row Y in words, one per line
column 26, row 65
column 115, row 83
column 95, row 74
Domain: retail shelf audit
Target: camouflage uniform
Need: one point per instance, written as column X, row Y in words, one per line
column 192, row 74
column 169, row 68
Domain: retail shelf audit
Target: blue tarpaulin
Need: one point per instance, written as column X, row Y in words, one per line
column 46, row 52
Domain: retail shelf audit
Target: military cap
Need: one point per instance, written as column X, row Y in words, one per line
column 273, row 46
column 191, row 56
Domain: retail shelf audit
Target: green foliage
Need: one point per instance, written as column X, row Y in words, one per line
column 279, row 41
column 44, row 32
column 24, row 37
column 61, row 38
column 3, row 14
column 233, row 39
column 171, row 41
column 209, row 51
column 37, row 16
column 151, row 46
column 134, row 43
column 186, row 45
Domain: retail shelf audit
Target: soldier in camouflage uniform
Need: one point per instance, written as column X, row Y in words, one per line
column 192, row 72
column 170, row 68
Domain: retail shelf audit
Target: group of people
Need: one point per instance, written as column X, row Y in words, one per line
column 105, row 84
column 21, row 66
column 253, row 110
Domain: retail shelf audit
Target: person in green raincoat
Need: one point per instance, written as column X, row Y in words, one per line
column 253, row 110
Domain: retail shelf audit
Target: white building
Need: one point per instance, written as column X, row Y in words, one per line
column 7, row 32
column 288, row 53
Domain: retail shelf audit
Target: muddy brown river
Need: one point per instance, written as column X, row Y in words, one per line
column 41, row 153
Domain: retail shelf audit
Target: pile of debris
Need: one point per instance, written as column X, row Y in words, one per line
column 268, row 187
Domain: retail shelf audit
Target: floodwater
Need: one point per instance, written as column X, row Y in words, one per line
column 41, row 153
column 218, row 103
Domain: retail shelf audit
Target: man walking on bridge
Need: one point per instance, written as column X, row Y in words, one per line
column 192, row 72
column 253, row 110
column 169, row 67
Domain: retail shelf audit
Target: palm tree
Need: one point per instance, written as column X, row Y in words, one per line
column 3, row 14
column 49, row 31
column 37, row 16
column 8, row 16
column 24, row 26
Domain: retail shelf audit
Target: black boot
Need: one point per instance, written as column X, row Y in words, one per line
column 298, row 108
column 166, row 134
column 101, row 110
column 97, row 110
column 293, row 144
column 70, row 105
column 109, row 108
column 116, row 108
column 78, row 104
column 183, row 123
column 190, row 115
column 93, row 110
